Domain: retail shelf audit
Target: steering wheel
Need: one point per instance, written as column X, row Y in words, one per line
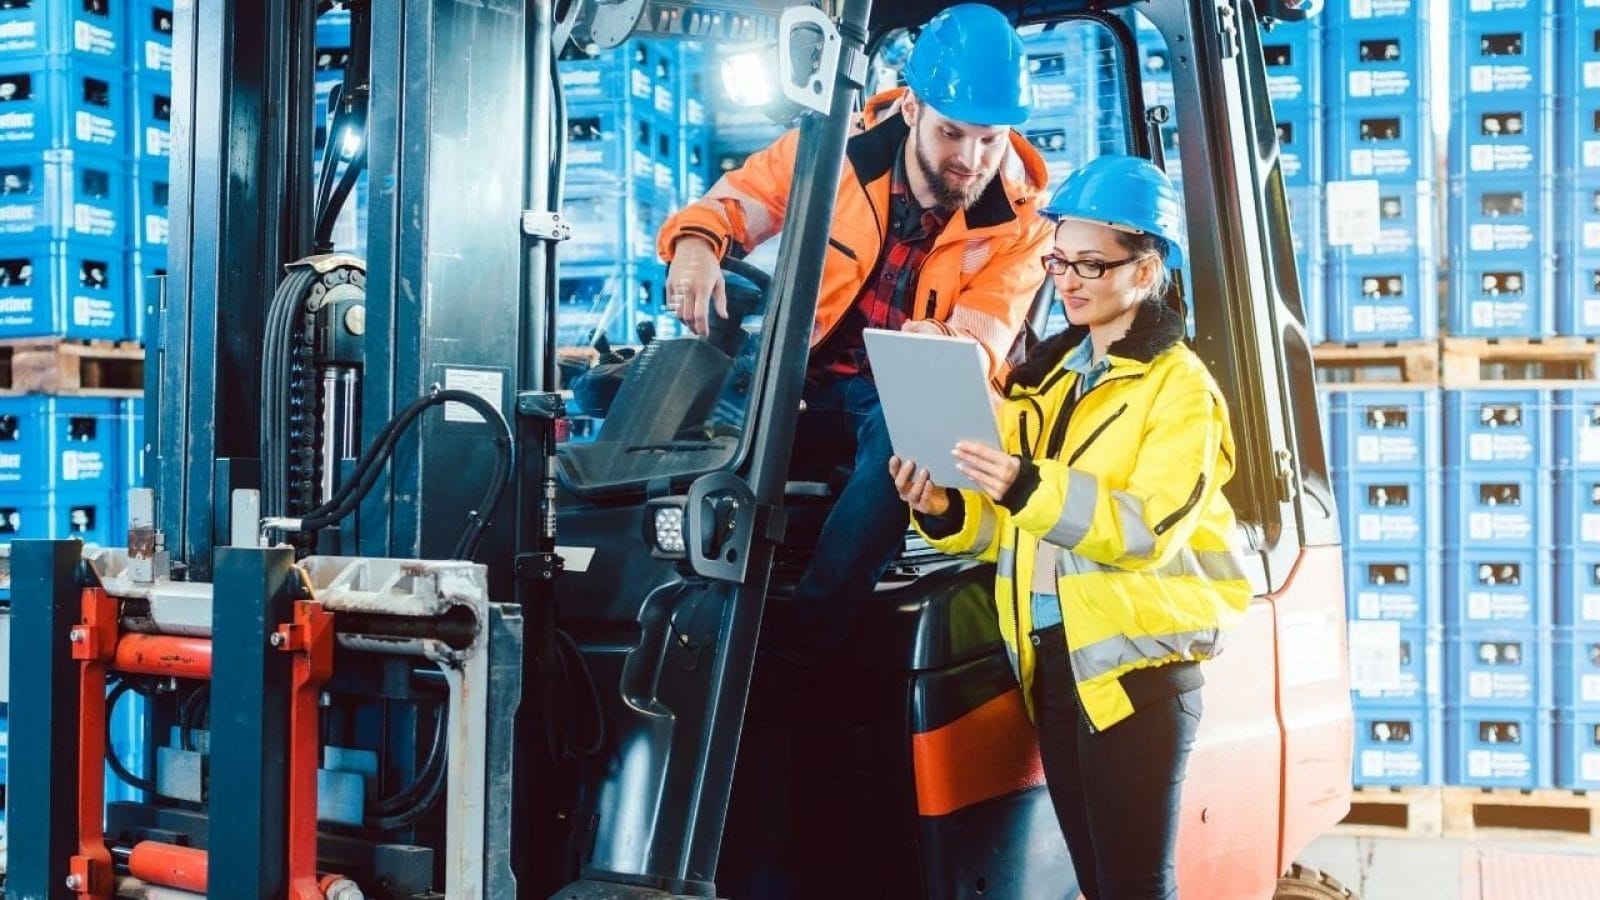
column 747, row 295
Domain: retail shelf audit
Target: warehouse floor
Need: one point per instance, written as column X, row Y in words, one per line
column 1403, row 868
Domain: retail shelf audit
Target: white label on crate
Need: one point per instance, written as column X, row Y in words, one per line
column 1282, row 88
column 1589, row 445
column 1367, row 448
column 1480, row 685
column 1590, row 764
column 155, row 229
column 1495, row 526
column 694, row 111
column 93, row 220
column 1479, row 762
column 16, row 310
column 570, row 78
column 1480, row 78
column 577, row 155
column 10, row 466
column 1501, row 78
column 1480, row 605
column 1360, row 84
column 1291, row 164
column 91, row 39
column 80, row 465
column 93, row 312
column 1591, row 235
column 1591, row 313
column 1374, row 656
column 158, row 56
column 642, row 87
column 96, row 129
column 1360, row 9
column 1591, row 74
column 1589, row 528
column 1591, row 608
column 487, row 384
column 18, row 36
column 1310, row 643
column 1492, row 158
column 1352, row 212
column 1591, row 154
column 157, row 141
column 663, row 100
column 1589, row 688
column 1499, row 448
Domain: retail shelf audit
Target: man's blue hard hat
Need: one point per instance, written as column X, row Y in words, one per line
column 969, row 65
column 1128, row 193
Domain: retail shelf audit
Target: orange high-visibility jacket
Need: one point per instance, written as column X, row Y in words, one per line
column 979, row 278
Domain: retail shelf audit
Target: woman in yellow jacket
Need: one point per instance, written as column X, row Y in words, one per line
column 1117, row 572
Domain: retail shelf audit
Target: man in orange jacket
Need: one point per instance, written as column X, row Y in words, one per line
column 935, row 229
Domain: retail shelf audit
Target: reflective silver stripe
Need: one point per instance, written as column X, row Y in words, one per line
column 758, row 222
column 1069, row 563
column 1077, row 514
column 1214, row 565
column 992, row 332
column 987, row 523
column 1137, row 538
column 1006, row 563
column 1116, row 652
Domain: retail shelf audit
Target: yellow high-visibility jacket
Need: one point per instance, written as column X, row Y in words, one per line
column 1127, row 495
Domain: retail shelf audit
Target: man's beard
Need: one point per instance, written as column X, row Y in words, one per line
column 948, row 196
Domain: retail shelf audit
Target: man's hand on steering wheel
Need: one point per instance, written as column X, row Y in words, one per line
column 694, row 279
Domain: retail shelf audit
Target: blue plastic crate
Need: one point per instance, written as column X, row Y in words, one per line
column 62, row 195
column 1578, row 134
column 1486, row 507
column 613, row 298
column 64, row 289
column 1505, row 56
column 1510, row 10
column 1310, row 250
column 627, row 70
column 58, row 443
column 47, row 103
column 90, row 29
column 612, row 143
column 1378, row 299
column 1364, row 12
column 151, row 206
column 1300, row 144
column 1503, row 135
column 695, row 164
column 85, row 515
column 1065, row 143
column 131, row 438
column 152, row 117
column 1577, row 750
column 1580, row 286
column 1155, row 77
column 1388, row 510
column 333, row 27
column 1292, row 52
column 1393, row 141
column 1501, row 214
column 1502, row 295
column 1398, row 747
column 1497, row 588
column 1490, row 747
column 1577, row 594
column 1060, row 69
column 1381, row 63
column 1576, row 652
column 1406, row 214
column 1499, row 667
column 150, row 33
column 1577, row 509
column 1385, row 430
column 1394, row 585
column 1421, row 673
column 1576, row 428
column 1498, row 427
column 610, row 227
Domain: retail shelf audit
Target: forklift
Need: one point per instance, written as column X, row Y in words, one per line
column 409, row 613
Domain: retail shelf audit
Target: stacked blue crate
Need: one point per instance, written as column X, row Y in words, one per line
column 1502, row 170
column 1293, row 56
column 150, row 38
column 1499, row 513
column 1576, row 433
column 1385, row 453
column 59, row 467
column 1066, row 98
column 1382, row 287
column 1577, row 157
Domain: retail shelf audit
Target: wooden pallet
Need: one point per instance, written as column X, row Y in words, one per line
column 1398, row 363
column 1478, row 362
column 1479, row 812
column 1390, row 812
column 62, row 366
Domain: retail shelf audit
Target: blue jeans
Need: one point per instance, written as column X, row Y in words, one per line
column 862, row 532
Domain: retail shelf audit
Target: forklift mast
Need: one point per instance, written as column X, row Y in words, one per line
column 433, row 624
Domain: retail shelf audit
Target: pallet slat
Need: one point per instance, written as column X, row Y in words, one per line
column 1408, row 811
column 1469, row 812
column 1478, row 362
column 61, row 366
column 1401, row 363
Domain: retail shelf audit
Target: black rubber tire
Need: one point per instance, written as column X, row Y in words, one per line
column 1305, row 883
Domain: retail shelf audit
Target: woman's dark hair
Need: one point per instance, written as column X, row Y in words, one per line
column 1146, row 244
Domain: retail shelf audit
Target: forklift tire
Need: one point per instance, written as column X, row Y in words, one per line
column 1305, row 883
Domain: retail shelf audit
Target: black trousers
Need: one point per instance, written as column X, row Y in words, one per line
column 1116, row 792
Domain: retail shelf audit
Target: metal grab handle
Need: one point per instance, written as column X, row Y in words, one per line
column 814, row 93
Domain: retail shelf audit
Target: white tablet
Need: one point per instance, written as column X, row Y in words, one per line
column 935, row 392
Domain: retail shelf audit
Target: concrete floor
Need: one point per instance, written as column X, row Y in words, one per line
column 1400, row 868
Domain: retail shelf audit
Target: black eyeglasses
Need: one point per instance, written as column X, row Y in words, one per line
column 1088, row 269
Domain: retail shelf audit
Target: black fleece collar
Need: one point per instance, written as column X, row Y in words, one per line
column 1155, row 328
column 872, row 153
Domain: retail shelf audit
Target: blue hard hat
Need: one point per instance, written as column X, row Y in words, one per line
column 1124, row 192
column 969, row 65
